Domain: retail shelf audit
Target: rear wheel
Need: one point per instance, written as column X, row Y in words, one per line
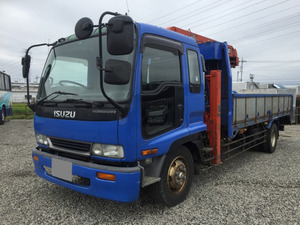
column 2, row 119
column 270, row 145
column 176, row 177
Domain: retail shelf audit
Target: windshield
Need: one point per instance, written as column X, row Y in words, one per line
column 72, row 68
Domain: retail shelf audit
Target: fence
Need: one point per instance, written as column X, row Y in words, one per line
column 21, row 111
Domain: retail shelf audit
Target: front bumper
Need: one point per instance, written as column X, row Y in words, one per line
column 125, row 188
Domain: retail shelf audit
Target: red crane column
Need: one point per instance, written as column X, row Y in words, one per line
column 213, row 120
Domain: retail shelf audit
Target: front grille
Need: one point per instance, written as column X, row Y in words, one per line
column 62, row 144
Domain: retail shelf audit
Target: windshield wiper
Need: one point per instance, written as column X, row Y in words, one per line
column 33, row 106
column 83, row 103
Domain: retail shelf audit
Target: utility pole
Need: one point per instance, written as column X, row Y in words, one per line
column 36, row 79
column 241, row 67
column 252, row 77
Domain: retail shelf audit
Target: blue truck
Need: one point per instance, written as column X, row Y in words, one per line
column 124, row 105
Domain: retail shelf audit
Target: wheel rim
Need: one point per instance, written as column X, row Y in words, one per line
column 273, row 138
column 177, row 175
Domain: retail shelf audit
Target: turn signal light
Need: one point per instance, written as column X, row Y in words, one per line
column 36, row 158
column 149, row 151
column 106, row 176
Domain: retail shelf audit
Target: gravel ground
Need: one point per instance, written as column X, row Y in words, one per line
column 252, row 188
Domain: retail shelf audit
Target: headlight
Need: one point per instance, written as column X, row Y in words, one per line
column 42, row 139
column 111, row 151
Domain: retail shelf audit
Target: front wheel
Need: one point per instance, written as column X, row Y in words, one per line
column 2, row 118
column 270, row 145
column 176, row 177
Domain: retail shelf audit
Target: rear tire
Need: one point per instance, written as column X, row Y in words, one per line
column 176, row 177
column 270, row 145
column 2, row 118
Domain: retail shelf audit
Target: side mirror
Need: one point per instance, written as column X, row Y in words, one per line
column 84, row 28
column 117, row 72
column 120, row 35
column 26, row 65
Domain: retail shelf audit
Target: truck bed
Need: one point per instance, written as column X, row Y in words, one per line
column 250, row 109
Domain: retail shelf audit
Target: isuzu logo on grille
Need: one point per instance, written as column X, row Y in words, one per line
column 64, row 114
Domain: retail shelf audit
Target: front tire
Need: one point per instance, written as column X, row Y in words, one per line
column 176, row 177
column 2, row 118
column 272, row 136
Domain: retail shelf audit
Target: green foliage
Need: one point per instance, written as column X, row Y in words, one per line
column 21, row 111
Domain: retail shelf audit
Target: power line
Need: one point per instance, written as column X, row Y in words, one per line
column 172, row 12
column 267, row 32
column 269, row 39
column 143, row 11
column 227, row 14
column 263, row 25
column 251, row 21
column 245, row 15
column 191, row 13
column 12, row 64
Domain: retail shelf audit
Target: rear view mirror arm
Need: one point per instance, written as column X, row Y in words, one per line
column 100, row 63
column 26, row 62
column 111, row 101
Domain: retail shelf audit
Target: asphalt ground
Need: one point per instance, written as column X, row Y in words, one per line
column 252, row 188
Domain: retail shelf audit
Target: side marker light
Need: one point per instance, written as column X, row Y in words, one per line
column 106, row 176
column 149, row 151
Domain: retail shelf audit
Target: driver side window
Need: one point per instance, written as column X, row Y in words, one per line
column 158, row 66
column 162, row 90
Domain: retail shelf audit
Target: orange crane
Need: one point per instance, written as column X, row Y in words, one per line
column 234, row 59
column 212, row 118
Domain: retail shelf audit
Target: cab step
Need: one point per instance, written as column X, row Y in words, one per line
column 207, row 149
column 150, row 180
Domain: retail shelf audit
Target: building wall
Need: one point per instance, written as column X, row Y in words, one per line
column 297, row 88
column 19, row 92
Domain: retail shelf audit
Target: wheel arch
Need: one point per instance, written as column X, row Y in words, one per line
column 276, row 121
column 192, row 142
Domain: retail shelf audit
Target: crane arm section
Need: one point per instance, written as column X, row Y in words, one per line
column 234, row 59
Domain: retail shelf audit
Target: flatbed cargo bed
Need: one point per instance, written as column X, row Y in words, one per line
column 251, row 109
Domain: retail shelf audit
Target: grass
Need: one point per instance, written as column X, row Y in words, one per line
column 21, row 111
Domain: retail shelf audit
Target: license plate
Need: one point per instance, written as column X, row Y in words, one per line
column 62, row 169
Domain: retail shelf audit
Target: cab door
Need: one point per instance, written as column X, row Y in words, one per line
column 195, row 94
column 161, row 92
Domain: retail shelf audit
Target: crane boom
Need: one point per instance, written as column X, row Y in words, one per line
column 234, row 59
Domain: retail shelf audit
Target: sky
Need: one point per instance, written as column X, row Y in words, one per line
column 264, row 32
